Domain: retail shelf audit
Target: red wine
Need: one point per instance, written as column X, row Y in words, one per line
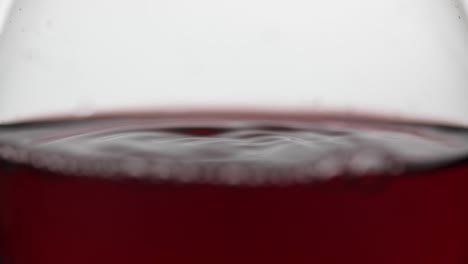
column 234, row 189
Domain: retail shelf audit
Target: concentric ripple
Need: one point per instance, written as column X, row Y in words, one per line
column 230, row 151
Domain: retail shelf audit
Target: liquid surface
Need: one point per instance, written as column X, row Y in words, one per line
column 231, row 150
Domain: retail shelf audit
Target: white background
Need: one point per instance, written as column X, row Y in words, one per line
column 394, row 57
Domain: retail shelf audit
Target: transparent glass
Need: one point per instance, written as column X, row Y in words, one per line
column 233, row 131
column 398, row 58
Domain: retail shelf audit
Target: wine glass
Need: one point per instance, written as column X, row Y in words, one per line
column 245, row 131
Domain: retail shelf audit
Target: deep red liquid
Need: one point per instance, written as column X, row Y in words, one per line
column 49, row 219
column 417, row 217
